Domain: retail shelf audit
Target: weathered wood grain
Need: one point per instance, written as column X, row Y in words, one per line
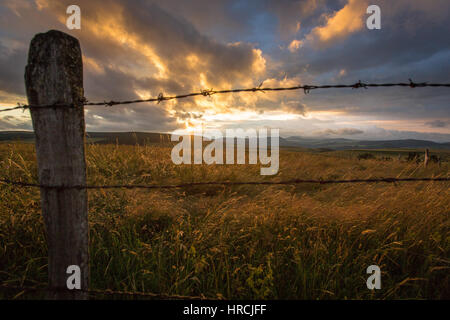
column 54, row 75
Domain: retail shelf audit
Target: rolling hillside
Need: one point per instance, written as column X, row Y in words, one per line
column 132, row 138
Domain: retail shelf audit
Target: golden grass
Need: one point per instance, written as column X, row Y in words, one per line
column 242, row 242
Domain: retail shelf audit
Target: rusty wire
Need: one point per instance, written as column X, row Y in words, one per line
column 210, row 92
column 222, row 183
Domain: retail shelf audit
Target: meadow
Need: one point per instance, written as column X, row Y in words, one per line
column 242, row 242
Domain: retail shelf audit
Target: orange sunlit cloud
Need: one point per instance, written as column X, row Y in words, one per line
column 342, row 23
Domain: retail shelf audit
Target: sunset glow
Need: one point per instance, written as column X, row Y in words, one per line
column 135, row 52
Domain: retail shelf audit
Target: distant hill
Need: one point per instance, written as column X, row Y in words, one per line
column 126, row 138
column 132, row 138
column 347, row 144
column 25, row 136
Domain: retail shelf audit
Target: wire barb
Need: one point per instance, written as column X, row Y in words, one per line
column 109, row 103
column 258, row 88
column 359, row 84
column 306, row 88
column 160, row 97
column 207, row 92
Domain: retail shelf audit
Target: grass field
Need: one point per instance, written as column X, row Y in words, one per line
column 242, row 242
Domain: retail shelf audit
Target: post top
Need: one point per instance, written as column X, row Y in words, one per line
column 55, row 34
column 54, row 63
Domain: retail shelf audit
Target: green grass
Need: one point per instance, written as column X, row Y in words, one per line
column 241, row 242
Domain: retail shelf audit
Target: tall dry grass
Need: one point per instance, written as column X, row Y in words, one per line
column 242, row 242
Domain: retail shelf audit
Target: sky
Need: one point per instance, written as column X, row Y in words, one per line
column 137, row 49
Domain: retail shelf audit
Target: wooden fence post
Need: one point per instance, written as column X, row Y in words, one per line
column 426, row 158
column 54, row 75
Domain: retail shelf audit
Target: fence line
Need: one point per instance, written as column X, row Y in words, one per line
column 54, row 73
column 223, row 183
column 210, row 92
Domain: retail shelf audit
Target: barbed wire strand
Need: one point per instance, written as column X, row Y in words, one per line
column 14, row 108
column 210, row 92
column 107, row 292
column 223, row 183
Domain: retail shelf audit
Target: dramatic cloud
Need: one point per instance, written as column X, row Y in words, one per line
column 138, row 49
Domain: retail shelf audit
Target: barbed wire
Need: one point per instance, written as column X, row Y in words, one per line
column 15, row 108
column 210, row 92
column 107, row 292
column 223, row 183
